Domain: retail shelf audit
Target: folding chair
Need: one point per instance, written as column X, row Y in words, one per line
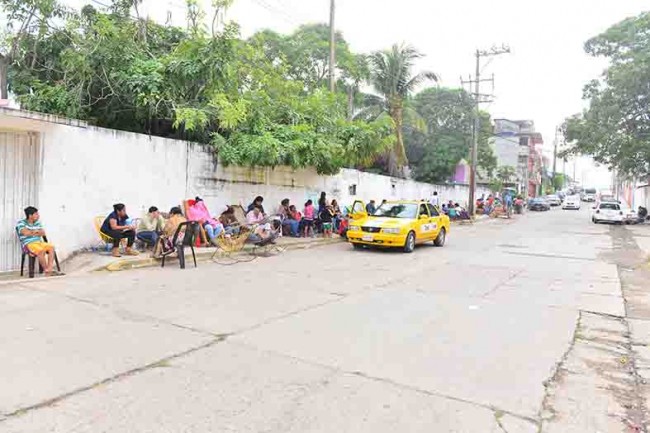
column 191, row 228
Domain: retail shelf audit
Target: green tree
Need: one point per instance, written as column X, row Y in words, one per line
column 393, row 80
column 615, row 128
column 436, row 151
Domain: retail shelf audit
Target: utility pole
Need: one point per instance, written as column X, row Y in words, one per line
column 332, row 47
column 555, row 139
column 494, row 51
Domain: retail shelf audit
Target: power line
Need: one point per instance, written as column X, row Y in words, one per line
column 285, row 16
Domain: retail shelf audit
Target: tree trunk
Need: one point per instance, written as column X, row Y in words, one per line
column 4, row 83
column 397, row 158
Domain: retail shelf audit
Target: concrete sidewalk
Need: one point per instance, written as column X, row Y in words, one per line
column 98, row 261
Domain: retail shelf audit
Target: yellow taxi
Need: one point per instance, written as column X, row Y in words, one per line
column 400, row 224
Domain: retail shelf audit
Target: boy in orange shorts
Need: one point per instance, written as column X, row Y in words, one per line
column 30, row 233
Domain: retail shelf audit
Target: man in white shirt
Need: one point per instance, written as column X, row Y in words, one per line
column 435, row 200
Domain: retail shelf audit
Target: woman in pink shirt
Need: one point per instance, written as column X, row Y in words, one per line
column 308, row 218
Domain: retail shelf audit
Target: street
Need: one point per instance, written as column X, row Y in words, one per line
column 514, row 326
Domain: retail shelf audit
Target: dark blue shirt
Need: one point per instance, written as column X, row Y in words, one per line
column 106, row 226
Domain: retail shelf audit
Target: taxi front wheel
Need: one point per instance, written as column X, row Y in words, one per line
column 409, row 245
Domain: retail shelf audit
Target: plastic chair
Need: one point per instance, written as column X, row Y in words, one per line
column 178, row 245
column 98, row 222
column 31, row 262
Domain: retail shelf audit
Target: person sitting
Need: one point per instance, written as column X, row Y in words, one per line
column 444, row 209
column 30, row 234
column 461, row 213
column 116, row 228
column 261, row 232
column 257, row 202
column 150, row 227
column 308, row 218
column 287, row 219
column 199, row 212
column 176, row 218
column 370, row 207
column 255, row 216
column 451, row 212
column 229, row 221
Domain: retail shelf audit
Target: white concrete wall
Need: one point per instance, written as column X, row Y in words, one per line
column 84, row 170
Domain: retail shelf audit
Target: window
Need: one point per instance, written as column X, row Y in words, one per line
column 610, row 206
column 352, row 189
column 406, row 210
column 423, row 210
column 432, row 210
column 523, row 141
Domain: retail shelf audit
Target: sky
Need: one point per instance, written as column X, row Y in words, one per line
column 542, row 78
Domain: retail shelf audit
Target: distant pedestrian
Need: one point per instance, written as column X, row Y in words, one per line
column 435, row 200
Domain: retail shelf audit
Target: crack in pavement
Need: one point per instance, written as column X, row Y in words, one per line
column 546, row 411
column 550, row 256
column 158, row 363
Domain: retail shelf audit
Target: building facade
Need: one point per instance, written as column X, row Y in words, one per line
column 517, row 144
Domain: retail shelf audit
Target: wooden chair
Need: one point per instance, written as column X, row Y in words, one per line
column 31, row 262
column 190, row 230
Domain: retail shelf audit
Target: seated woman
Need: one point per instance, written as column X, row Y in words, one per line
column 261, row 232
column 199, row 212
column 451, row 212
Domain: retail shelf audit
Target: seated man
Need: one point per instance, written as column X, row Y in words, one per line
column 287, row 218
column 151, row 226
column 116, row 228
column 30, row 233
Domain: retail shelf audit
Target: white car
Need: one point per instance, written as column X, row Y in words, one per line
column 571, row 202
column 608, row 212
column 553, row 200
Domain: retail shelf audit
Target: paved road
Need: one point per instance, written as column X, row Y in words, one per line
column 514, row 326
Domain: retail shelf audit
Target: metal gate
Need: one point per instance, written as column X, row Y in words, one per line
column 19, row 180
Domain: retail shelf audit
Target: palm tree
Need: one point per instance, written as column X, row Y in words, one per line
column 391, row 76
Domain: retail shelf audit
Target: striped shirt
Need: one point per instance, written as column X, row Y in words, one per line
column 24, row 224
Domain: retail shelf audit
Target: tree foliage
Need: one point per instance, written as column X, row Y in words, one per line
column 393, row 80
column 615, row 128
column 259, row 102
column 435, row 151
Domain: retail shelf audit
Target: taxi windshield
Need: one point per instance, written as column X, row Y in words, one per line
column 397, row 210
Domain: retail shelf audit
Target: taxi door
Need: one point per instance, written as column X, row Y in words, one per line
column 423, row 224
column 435, row 222
column 358, row 210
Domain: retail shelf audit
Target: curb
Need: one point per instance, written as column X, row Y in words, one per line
column 205, row 255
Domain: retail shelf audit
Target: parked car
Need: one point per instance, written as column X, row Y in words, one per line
column 589, row 194
column 538, row 204
column 553, row 200
column 400, row 224
column 571, row 202
column 608, row 212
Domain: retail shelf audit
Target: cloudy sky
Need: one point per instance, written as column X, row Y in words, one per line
column 541, row 79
